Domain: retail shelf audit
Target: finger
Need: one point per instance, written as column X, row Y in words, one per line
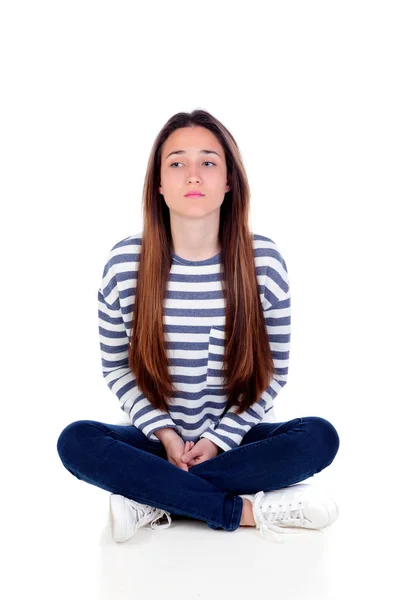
column 183, row 466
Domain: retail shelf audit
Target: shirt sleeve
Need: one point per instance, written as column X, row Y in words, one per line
column 230, row 430
column 114, row 351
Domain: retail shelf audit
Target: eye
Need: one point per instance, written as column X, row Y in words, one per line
column 206, row 161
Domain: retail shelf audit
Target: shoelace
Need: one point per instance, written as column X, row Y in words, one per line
column 144, row 510
column 156, row 525
column 277, row 513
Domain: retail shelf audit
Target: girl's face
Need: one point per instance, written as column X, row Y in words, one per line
column 193, row 169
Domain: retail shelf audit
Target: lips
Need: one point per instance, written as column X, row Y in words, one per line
column 194, row 194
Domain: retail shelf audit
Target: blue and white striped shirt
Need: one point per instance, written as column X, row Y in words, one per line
column 194, row 322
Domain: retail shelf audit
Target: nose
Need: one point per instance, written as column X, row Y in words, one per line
column 193, row 174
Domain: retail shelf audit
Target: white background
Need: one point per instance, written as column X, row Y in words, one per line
column 310, row 91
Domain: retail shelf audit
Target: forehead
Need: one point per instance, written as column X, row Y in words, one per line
column 191, row 140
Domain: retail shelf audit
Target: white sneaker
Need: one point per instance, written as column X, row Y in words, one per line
column 127, row 516
column 297, row 506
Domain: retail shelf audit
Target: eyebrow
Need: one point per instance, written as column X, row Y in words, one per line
column 200, row 152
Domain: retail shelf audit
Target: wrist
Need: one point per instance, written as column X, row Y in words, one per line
column 218, row 449
column 166, row 434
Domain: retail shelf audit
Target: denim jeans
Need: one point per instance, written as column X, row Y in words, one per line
column 122, row 460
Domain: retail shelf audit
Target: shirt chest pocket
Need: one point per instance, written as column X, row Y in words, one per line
column 216, row 346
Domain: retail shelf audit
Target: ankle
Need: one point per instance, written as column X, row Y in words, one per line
column 247, row 519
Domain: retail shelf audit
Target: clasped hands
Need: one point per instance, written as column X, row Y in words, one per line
column 188, row 454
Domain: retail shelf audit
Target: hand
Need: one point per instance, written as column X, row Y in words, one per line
column 203, row 450
column 175, row 447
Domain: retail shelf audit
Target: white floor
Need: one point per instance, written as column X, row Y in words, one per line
column 65, row 549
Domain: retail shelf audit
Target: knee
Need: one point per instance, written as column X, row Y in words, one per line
column 70, row 438
column 325, row 437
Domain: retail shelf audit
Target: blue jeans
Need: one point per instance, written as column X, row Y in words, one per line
column 122, row 460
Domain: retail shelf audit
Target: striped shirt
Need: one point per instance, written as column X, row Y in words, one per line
column 194, row 323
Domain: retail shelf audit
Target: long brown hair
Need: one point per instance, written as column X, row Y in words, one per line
column 247, row 362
